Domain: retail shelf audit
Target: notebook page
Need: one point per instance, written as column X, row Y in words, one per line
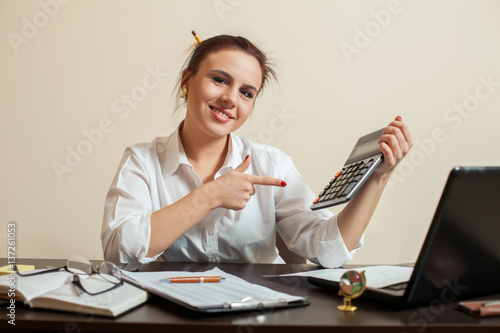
column 36, row 285
column 70, row 298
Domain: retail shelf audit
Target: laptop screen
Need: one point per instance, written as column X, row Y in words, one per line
column 461, row 254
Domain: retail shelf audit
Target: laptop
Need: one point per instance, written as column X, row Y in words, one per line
column 460, row 257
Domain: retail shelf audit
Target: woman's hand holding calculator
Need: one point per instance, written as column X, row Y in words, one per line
column 395, row 142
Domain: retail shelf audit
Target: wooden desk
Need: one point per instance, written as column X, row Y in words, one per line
column 159, row 315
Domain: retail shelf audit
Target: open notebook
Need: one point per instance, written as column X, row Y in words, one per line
column 55, row 291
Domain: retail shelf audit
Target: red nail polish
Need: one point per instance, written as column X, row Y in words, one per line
column 246, row 158
column 398, row 118
column 283, row 183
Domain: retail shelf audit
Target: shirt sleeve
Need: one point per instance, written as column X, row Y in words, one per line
column 126, row 225
column 312, row 234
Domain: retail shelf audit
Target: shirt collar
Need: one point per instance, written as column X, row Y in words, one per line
column 233, row 158
column 175, row 154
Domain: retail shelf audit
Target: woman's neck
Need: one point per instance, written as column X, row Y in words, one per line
column 206, row 154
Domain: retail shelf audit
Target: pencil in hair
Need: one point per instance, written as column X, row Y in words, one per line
column 196, row 36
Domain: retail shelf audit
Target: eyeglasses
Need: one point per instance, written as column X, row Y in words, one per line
column 78, row 265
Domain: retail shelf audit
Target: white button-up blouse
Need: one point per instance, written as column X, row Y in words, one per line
column 154, row 175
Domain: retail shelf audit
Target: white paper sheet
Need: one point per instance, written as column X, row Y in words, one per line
column 376, row 276
column 206, row 295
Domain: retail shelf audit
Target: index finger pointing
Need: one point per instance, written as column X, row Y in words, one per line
column 262, row 180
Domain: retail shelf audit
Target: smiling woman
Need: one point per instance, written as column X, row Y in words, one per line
column 226, row 42
column 225, row 85
column 206, row 194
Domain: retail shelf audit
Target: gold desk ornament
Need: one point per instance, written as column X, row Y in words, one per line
column 352, row 285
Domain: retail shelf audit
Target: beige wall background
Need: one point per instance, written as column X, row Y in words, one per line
column 81, row 80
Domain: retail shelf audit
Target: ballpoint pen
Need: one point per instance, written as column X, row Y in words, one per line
column 194, row 279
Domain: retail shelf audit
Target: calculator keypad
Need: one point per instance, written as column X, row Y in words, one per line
column 344, row 181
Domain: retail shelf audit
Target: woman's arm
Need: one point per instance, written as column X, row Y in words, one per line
column 395, row 143
column 171, row 222
column 231, row 191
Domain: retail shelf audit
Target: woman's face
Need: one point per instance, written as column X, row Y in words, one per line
column 222, row 93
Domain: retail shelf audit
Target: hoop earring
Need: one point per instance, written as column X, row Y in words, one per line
column 184, row 92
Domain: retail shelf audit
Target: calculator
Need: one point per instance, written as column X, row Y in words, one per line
column 364, row 158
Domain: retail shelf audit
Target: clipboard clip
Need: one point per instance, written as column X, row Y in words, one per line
column 251, row 303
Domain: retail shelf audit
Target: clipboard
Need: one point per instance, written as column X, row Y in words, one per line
column 248, row 305
column 232, row 295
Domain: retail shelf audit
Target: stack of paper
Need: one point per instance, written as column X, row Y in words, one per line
column 232, row 294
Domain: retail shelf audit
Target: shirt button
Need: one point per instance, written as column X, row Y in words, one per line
column 210, row 233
